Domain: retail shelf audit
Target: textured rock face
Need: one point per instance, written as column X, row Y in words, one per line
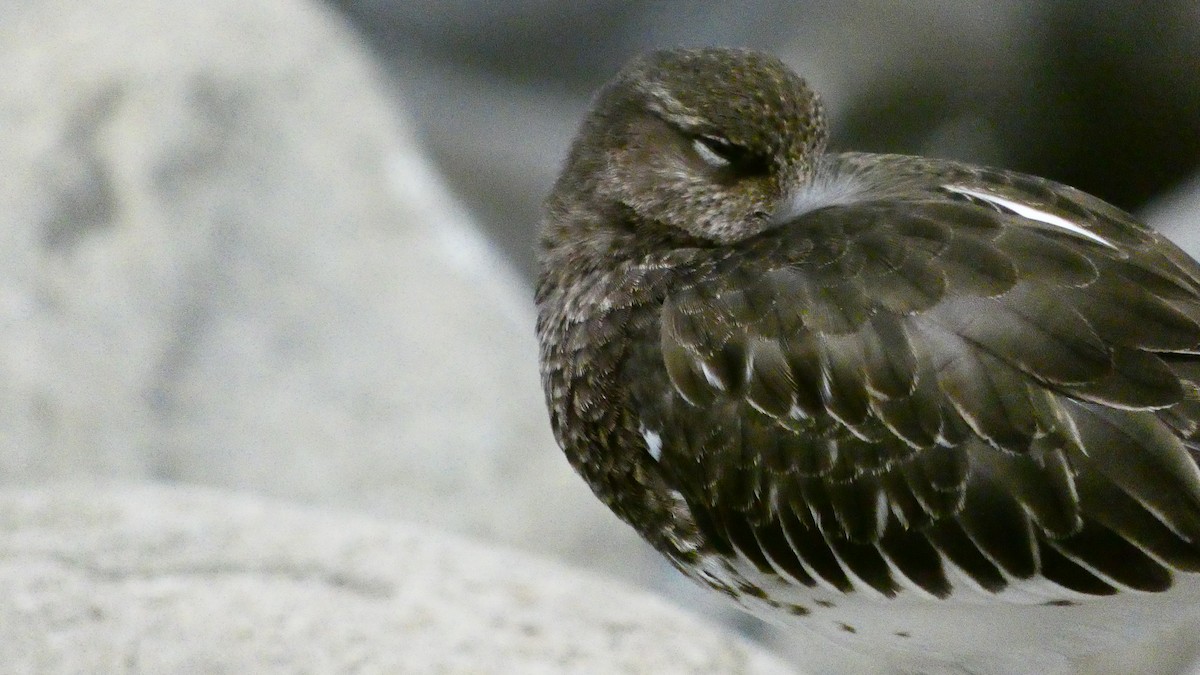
column 155, row 580
column 224, row 260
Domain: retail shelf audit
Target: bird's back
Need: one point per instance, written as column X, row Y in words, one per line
column 902, row 420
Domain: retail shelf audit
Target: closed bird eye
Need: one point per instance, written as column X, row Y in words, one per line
column 722, row 155
column 715, row 151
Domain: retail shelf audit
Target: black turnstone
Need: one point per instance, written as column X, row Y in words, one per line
column 945, row 414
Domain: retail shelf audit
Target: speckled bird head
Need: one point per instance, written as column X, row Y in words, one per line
column 708, row 141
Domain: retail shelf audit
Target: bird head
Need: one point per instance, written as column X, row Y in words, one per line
column 707, row 142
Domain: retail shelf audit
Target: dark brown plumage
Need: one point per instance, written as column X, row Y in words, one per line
column 908, row 396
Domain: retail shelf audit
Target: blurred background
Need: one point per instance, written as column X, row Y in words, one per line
column 1103, row 95
column 285, row 246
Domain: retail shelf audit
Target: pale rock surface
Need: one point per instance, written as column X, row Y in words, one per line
column 137, row 579
column 1177, row 215
column 224, row 259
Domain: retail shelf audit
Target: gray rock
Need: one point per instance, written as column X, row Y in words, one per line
column 137, row 579
column 1177, row 215
column 225, row 260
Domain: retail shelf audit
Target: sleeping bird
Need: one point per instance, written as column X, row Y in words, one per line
column 946, row 415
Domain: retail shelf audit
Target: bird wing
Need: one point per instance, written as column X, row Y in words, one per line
column 887, row 389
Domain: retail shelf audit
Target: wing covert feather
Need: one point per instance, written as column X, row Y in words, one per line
column 928, row 386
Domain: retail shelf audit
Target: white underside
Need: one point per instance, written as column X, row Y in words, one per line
column 977, row 633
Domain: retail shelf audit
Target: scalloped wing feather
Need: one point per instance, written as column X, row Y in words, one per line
column 926, row 386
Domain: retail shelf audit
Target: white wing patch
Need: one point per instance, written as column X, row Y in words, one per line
column 713, row 379
column 1027, row 211
column 653, row 443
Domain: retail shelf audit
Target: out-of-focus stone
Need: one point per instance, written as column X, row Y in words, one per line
column 224, row 259
column 1177, row 215
column 135, row 579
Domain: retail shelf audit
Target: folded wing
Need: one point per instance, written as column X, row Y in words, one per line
column 894, row 388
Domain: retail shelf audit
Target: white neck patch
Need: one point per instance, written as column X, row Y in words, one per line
column 1030, row 212
column 817, row 194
